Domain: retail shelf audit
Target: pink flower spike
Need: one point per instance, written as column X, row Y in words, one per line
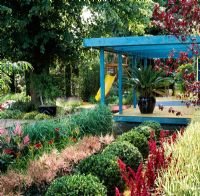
column 26, row 140
column 2, row 131
column 117, row 193
column 18, row 130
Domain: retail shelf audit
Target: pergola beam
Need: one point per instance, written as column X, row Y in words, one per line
column 138, row 41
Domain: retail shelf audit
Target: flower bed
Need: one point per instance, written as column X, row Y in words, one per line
column 41, row 172
column 84, row 157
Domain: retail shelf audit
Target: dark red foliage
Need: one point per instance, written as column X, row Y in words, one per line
column 194, row 88
column 142, row 182
column 179, row 18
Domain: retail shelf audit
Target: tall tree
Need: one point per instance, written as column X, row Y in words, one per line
column 40, row 32
column 119, row 18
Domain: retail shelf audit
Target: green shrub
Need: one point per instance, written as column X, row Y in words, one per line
column 137, row 139
column 126, row 152
column 23, row 106
column 42, row 117
column 95, row 121
column 75, row 185
column 145, row 130
column 10, row 114
column 17, row 97
column 154, row 125
column 105, row 167
column 30, row 115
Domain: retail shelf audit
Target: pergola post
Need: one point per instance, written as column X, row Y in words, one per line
column 102, row 75
column 198, row 69
column 120, row 81
column 134, row 64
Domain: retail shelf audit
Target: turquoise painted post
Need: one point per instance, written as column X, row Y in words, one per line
column 102, row 76
column 120, row 81
column 145, row 62
column 198, row 65
column 134, row 64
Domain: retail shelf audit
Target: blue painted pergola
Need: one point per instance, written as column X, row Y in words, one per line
column 143, row 47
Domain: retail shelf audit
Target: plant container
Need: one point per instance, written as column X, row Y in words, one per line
column 146, row 104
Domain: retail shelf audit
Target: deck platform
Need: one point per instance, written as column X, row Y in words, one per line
column 164, row 117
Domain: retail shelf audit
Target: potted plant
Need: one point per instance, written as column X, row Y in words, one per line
column 147, row 82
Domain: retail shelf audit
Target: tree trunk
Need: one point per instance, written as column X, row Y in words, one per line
column 33, row 91
column 27, row 82
column 67, row 80
column 12, row 84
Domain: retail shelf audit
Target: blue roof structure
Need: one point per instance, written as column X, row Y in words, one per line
column 140, row 47
column 144, row 46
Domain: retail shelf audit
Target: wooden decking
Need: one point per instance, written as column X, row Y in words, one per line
column 134, row 115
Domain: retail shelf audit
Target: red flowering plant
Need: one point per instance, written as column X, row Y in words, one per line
column 12, row 145
column 180, row 18
column 194, row 88
column 180, row 69
column 142, row 181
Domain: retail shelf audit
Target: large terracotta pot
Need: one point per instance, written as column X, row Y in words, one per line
column 146, row 104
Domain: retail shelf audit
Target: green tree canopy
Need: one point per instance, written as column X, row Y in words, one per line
column 44, row 32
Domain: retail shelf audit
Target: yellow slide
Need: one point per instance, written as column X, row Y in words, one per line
column 108, row 84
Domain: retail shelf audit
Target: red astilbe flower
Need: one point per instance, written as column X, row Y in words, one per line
column 117, row 193
column 134, row 180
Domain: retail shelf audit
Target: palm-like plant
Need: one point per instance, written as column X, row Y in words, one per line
column 148, row 82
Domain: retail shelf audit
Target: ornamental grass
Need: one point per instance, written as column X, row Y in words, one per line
column 183, row 174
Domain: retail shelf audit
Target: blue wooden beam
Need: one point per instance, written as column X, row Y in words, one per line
column 134, row 64
column 152, row 47
column 139, row 119
column 137, row 41
column 120, row 81
column 102, row 75
column 154, row 55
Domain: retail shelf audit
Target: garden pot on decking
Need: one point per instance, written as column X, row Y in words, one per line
column 146, row 104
